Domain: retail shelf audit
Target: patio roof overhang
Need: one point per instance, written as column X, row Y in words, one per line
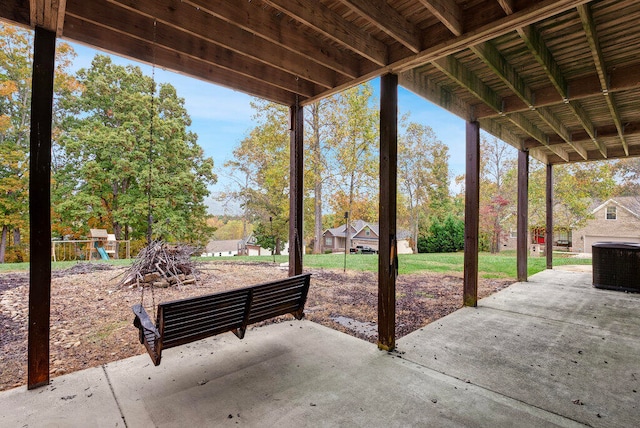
column 555, row 77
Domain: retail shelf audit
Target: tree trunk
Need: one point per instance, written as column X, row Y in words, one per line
column 277, row 249
column 347, row 241
column 16, row 237
column 3, row 243
column 317, row 243
column 245, row 251
column 414, row 244
column 117, row 230
column 317, row 176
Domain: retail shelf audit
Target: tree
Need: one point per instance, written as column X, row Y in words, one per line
column 126, row 153
column 444, row 236
column 497, row 192
column 423, row 175
column 355, row 145
column 628, row 173
column 577, row 187
column 16, row 47
column 232, row 229
column 261, row 166
column 316, row 153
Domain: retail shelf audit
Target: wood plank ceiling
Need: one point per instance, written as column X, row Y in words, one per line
column 560, row 78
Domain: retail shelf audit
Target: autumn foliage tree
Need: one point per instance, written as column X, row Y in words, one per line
column 576, row 188
column 497, row 192
column 423, row 176
column 317, row 173
column 260, row 168
column 126, row 152
column 16, row 50
column 355, row 152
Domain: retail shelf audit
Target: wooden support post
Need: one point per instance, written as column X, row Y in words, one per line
column 471, row 214
column 40, row 208
column 548, row 235
column 388, row 252
column 523, row 215
column 296, row 193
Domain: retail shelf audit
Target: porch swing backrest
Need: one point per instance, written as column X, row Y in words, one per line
column 184, row 321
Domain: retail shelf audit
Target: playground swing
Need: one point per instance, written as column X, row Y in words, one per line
column 184, row 321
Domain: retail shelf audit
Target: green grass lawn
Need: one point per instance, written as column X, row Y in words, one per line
column 501, row 265
column 490, row 266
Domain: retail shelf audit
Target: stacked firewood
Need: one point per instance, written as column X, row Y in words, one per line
column 162, row 265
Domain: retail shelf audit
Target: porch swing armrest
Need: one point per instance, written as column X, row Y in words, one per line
column 144, row 322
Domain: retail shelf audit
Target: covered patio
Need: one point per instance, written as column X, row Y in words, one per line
column 553, row 351
column 557, row 79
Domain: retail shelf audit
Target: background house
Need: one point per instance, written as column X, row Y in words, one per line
column 360, row 233
column 616, row 220
column 227, row 247
column 239, row 247
column 561, row 238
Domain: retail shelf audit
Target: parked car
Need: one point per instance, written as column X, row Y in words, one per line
column 363, row 249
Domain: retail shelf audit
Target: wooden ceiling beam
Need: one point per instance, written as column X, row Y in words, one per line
column 592, row 38
column 331, row 25
column 539, row 50
column 448, row 12
column 485, row 31
column 420, row 84
column 558, row 127
column 259, row 21
column 603, row 132
column 527, row 126
column 142, row 26
column 507, row 6
column 190, row 23
column 595, row 155
column 48, row 14
column 539, row 155
column 388, row 20
column 488, row 53
column 499, row 131
column 456, row 71
column 587, row 125
column 16, row 11
column 545, row 58
column 621, row 79
column 141, row 50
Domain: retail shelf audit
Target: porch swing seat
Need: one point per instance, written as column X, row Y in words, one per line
column 184, row 321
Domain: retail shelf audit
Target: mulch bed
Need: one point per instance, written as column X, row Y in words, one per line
column 91, row 312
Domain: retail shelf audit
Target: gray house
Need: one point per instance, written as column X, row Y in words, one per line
column 360, row 233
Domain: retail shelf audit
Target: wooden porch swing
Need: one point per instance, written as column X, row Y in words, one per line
column 183, row 321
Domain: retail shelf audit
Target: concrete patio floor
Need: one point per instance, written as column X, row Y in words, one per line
column 550, row 352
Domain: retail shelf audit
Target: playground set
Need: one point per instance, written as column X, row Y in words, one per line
column 100, row 246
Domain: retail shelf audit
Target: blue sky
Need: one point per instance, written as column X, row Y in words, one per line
column 222, row 117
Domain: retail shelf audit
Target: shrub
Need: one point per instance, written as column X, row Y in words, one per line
column 443, row 236
column 16, row 254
